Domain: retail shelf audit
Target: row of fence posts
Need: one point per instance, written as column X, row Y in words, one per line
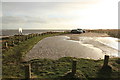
column 74, row 63
column 23, row 38
column 26, row 38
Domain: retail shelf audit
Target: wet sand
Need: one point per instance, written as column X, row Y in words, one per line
column 76, row 36
column 71, row 45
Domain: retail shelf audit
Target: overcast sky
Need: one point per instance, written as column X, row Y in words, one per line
column 67, row 14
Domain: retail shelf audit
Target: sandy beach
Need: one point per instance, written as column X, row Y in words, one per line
column 87, row 45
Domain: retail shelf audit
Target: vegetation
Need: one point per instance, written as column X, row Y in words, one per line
column 111, row 32
column 12, row 56
column 42, row 69
column 86, row 68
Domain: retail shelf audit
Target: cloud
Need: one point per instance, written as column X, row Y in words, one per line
column 46, row 0
column 23, row 19
column 89, row 13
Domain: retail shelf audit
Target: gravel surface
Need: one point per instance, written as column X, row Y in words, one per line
column 71, row 45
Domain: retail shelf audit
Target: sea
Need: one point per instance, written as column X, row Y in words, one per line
column 24, row 32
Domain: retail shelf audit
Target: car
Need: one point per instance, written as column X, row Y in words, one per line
column 77, row 31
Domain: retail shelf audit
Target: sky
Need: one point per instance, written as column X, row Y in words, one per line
column 64, row 14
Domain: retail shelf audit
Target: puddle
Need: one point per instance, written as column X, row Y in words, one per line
column 86, row 47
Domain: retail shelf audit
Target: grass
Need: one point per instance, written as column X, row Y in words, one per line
column 43, row 69
column 13, row 56
column 58, row 69
column 111, row 32
column 86, row 69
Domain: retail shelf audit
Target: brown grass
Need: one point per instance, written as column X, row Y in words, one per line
column 111, row 32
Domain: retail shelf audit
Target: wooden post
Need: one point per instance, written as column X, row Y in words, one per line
column 28, row 72
column 74, row 67
column 106, row 59
column 6, row 45
column 32, row 35
column 27, row 37
column 13, row 43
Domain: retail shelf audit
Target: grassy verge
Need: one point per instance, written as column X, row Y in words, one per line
column 86, row 68
column 12, row 56
column 47, row 69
